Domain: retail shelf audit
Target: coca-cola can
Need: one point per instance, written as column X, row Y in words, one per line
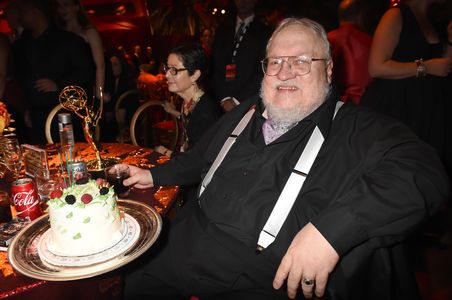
column 25, row 198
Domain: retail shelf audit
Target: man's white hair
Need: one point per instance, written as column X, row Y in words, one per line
column 311, row 25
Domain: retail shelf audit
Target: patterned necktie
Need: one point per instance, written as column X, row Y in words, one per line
column 239, row 32
column 272, row 130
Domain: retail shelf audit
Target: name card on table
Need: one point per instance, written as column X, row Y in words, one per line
column 35, row 159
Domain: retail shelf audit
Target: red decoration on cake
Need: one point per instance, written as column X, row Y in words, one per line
column 56, row 194
column 86, row 198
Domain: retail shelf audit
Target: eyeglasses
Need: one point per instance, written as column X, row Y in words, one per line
column 172, row 70
column 299, row 65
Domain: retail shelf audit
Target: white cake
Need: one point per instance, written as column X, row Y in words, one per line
column 89, row 225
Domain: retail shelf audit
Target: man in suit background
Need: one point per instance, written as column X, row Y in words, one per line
column 238, row 48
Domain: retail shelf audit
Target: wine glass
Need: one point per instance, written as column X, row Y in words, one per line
column 46, row 182
column 115, row 176
column 12, row 156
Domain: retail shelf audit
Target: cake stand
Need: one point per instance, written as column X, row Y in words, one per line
column 24, row 256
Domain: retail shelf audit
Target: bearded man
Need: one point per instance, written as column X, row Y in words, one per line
column 296, row 191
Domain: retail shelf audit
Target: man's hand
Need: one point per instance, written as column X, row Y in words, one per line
column 309, row 257
column 228, row 105
column 139, row 178
column 46, row 85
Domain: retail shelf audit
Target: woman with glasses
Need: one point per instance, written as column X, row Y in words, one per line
column 185, row 72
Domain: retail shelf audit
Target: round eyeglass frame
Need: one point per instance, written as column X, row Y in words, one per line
column 285, row 59
column 172, row 70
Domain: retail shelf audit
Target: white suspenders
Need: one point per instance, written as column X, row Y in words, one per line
column 225, row 149
column 292, row 187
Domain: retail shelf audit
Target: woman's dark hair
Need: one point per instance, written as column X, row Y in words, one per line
column 193, row 58
column 82, row 17
column 127, row 77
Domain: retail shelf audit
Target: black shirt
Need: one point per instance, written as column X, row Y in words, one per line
column 56, row 54
column 371, row 184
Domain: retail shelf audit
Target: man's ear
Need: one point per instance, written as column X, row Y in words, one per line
column 329, row 71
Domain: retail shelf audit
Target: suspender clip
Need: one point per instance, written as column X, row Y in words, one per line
column 259, row 249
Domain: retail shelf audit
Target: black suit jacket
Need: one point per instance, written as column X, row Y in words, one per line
column 370, row 186
column 250, row 53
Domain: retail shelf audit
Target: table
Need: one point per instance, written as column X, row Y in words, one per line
column 108, row 286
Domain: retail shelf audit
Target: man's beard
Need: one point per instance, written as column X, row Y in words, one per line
column 295, row 113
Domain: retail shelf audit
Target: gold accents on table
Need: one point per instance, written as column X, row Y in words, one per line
column 165, row 195
column 5, row 268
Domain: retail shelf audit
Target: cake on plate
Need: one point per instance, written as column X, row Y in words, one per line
column 84, row 219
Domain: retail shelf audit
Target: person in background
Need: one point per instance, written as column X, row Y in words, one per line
column 186, row 72
column 137, row 57
column 46, row 60
column 10, row 91
column 120, row 80
column 299, row 195
column 350, row 48
column 237, row 50
column 72, row 17
column 411, row 61
column 151, row 61
column 206, row 39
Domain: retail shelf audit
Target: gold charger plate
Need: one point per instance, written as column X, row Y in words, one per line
column 23, row 252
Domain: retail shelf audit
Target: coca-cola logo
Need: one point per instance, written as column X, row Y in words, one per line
column 24, row 198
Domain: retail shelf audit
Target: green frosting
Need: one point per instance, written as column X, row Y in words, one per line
column 90, row 187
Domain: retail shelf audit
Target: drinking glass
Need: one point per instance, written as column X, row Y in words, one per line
column 46, row 182
column 11, row 155
column 115, row 175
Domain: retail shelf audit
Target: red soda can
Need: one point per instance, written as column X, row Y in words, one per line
column 24, row 195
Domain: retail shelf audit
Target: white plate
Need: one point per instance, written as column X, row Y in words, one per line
column 130, row 236
column 24, row 257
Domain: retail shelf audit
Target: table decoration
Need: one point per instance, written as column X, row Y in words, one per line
column 75, row 99
column 5, row 121
column 35, row 159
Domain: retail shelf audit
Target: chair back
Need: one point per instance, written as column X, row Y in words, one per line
column 151, row 126
column 50, row 120
column 123, row 97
